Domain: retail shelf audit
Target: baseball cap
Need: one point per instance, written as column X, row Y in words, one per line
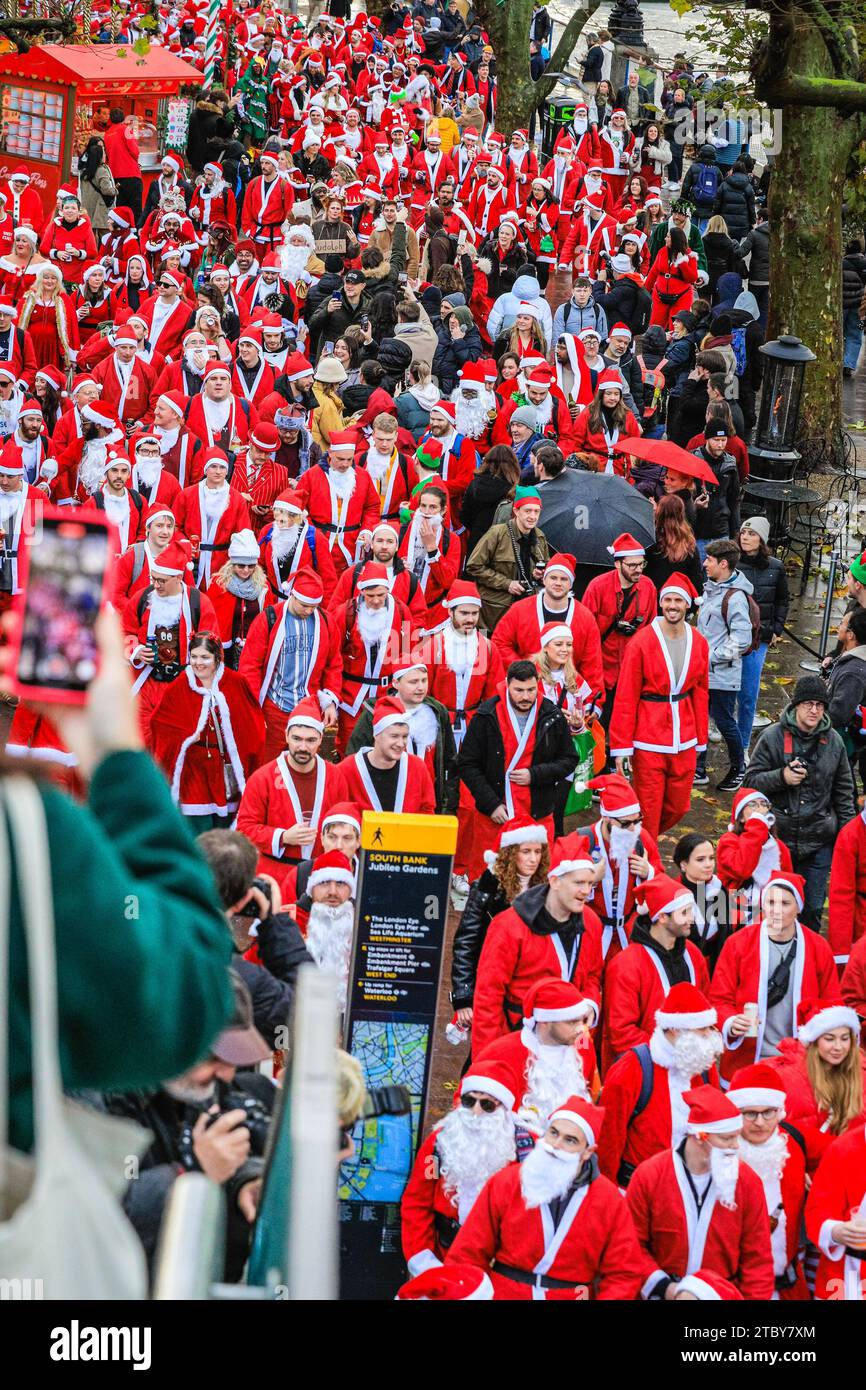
column 354, row 277
column 240, row 1043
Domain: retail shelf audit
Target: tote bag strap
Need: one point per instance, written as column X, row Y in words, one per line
column 25, row 816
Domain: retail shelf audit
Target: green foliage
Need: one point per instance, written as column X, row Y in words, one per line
column 854, row 195
column 141, row 47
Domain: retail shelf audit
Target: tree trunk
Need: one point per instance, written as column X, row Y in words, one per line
column 508, row 26
column 806, row 236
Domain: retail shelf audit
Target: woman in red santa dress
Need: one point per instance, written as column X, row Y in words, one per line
column 92, row 302
column 823, row 1074
column 238, row 592
column 725, row 1230
column 209, row 513
column 672, row 278
column 773, row 1149
column 18, row 268
column 748, row 853
column 589, row 1250
column 206, row 734
column 775, row 964
column 547, row 931
column 134, row 290
column 542, row 224
column 836, row 1219
column 49, row 317
column 603, row 424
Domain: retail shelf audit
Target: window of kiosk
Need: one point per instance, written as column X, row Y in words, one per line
column 94, row 118
column 32, row 123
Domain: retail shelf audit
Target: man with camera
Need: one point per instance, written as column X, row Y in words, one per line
column 509, row 562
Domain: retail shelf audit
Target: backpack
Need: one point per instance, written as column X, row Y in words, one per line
column 644, row 1056
column 706, row 185
column 738, row 347
column 570, row 306
column 643, row 305
column 754, row 619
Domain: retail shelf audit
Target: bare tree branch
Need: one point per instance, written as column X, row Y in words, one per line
column 834, row 37
column 566, row 46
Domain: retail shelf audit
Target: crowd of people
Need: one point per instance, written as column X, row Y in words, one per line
column 316, row 377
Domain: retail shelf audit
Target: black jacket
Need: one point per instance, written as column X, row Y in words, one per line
column 453, row 354
column 272, row 984
column 209, row 131
column 480, row 501
column 629, row 369
column 721, row 519
column 770, row 591
column 812, row 814
column 446, row 780
column 723, row 255
column 486, row 900
column 847, row 685
column 501, row 272
column 481, row 759
column 853, row 280
column 628, row 303
column 735, row 201
column 325, row 286
column 758, row 243
column 328, row 327
column 691, row 412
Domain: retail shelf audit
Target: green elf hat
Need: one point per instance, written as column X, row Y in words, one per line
column 526, row 497
column 431, row 455
column 858, row 569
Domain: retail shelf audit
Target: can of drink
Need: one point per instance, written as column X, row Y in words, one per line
column 751, row 1013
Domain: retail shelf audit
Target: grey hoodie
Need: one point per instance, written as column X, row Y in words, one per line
column 728, row 641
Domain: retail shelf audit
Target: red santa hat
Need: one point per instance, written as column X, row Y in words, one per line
column 625, row 546
column 175, row 160
column 297, row 366
column 371, row 191
column 404, row 667
column 175, row 400
column 710, row 1112
column 662, row 894
column 307, row 715
column 556, row 632
column 653, row 198
column 289, row 501
column 53, row 376
column 794, row 884
column 332, row 867
column 155, row 511
column 472, row 374
column 265, row 437
column 386, row 526
column 272, row 262
column 83, row 379
column 171, row 561
column 817, row 1016
column 101, row 415
column 709, row 1287
column 214, row 169
column 587, row 333
column 373, row 576
column 389, row 710
column 522, row 133
column 620, row 330
column 342, row 442
column 617, row 796
column 216, row 369
column 491, row 371
column 561, row 564
column 565, row 145
column 252, row 335
column 124, row 334
column 746, row 796
column 307, row 587
column 462, row 591
column 681, row 585
column 552, row 1000
column 686, row 1007
column 608, row 380
column 538, row 377
column 451, row 1283
column 522, row 830
column 7, row 308
column 176, row 277
column 570, row 853
column 757, row 1086
column 490, row 1079
column 589, row 1118
column 446, row 408
column 344, row 813
column 596, row 199
column 19, row 173
column 214, row 458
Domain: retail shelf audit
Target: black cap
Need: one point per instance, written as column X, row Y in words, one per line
column 810, row 688
column 716, row 431
column 354, row 277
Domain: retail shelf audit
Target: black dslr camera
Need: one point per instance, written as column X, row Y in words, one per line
column 257, row 1119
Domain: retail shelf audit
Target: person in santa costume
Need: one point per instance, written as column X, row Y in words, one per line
column 126, row 381
column 622, row 601
column 699, row 1207
column 476, row 1139
column 219, row 418
column 853, row 984
column 68, row 241
column 387, row 777
column 339, row 829
column 846, row 900
column 285, row 800
column 774, row 1151
column 180, row 450
column 447, row 1284
column 23, row 201
column 552, row 416
column 124, row 507
column 822, row 1071
column 149, row 477
column 388, row 467
column 257, row 476
column 291, row 543
column 643, row 1090
column 521, row 167
column 268, row 204
column 475, row 405
column 167, row 314
column 463, row 665
column 80, row 466
column 658, row 956
column 661, row 715
column 553, row 1227
column 547, row 931
column 16, row 345
column 517, row 751
column 207, row 733
column 238, row 592
column 341, row 500
column 564, row 173
column 29, row 444
column 132, row 572
column 375, row 631
column 20, row 508
column 252, row 377
column 431, row 551
column 291, row 655
column 626, row 856
column 836, row 1219
column 593, row 234
column 607, row 420
column 330, row 925
column 429, row 169
column 748, row 853
column 458, row 455
column 270, row 281
column 771, row 966
column 672, row 278
column 517, row 635
column 489, row 202
column 186, row 375
column 212, row 199
column 209, row 513
column 552, row 1052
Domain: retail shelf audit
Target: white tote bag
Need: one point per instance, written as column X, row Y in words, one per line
column 61, row 1221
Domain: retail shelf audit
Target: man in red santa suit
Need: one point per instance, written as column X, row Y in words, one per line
column 149, row 477
column 429, row 168
column 384, row 540
column 330, row 927
column 625, row 856
column 565, row 172
column 431, row 552
column 216, row 416
column 339, row 829
column 292, row 542
column 257, row 476
column 459, row 454
column 521, row 167
column 80, row 466
column 658, row 956
column 167, row 314
column 285, row 800
column 517, row 635
column 645, row 1112
column 614, row 145
column 389, row 468
column 186, row 374
column 16, row 345
column 836, row 1218
column 775, row 1152
column 212, row 200
column 209, row 513
column 475, row 405
column 123, row 506
column 24, row 202
column 132, row 572
column 126, row 380
column 464, row 156
column 476, row 1139
column 341, row 500
column 267, row 205
column 380, row 167
column 660, row 718
column 622, row 601
column 294, row 656
column 463, row 666
column 846, row 899
column 593, row 233
column 769, row 966
column 271, row 279
column 489, row 202
column 84, row 391
column 375, row 632
column 20, row 507
column 387, row 777
column 29, row 444
column 252, row 376
column 552, row 1227
column 552, row 1052
column 698, row 1207
column 180, row 450
column 548, row 931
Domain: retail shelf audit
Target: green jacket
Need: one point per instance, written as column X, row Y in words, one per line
column 142, row 943
column 493, row 565
column 446, row 781
column 696, row 243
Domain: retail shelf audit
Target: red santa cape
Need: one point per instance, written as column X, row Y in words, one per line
column 271, row 804
column 415, row 794
column 340, row 521
column 461, row 690
column 265, row 643
column 186, row 718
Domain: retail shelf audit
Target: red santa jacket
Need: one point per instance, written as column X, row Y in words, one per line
column 266, row 208
column 565, row 183
column 847, row 895
column 486, row 209
column 677, row 721
column 514, row 956
column 311, row 550
column 853, row 984
column 459, row 464
column 130, row 401
column 189, row 512
column 544, row 228
column 838, row 1187
column 801, row 1107
column 734, row 1244
column 17, row 352
column 740, row 978
column 593, row 1249
column 438, row 574
column 785, row 1203
column 395, row 486
column 517, row 636
column 677, row 275
column 166, row 490
column 131, row 574
column 403, row 585
column 271, row 804
column 206, row 206
column 635, row 986
column 360, row 682
column 59, row 238
column 745, row 858
column 520, row 171
column 559, row 428
column 167, row 336
column 605, row 600
column 480, row 683
column 613, row 899
column 424, row 1200
column 341, row 526
column 25, row 207
column 414, row 796
column 136, row 617
column 629, row 1138
column 586, row 241
column 586, row 440
column 236, row 431
column 253, row 392
column 265, row 643
column 428, row 173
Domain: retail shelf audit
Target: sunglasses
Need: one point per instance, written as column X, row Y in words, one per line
column 488, row 1106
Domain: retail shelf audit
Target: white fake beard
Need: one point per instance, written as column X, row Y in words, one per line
column 343, row 484
column 767, row 1160
column 473, row 1146
column 693, row 1054
column 147, row 471
column 543, row 413
column 622, row 842
column 215, row 500
column 9, row 504
column 329, row 942
column 471, row 416
column 377, row 463
column 461, row 649
column 166, row 611
column 556, row 1072
column 724, row 1171
column 593, row 182
column 91, row 468
column 547, row 1173
column 294, row 261
column 283, row 541
column 167, row 438
column 195, row 362
column 374, row 623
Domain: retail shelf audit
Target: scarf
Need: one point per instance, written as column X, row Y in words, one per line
column 243, row 588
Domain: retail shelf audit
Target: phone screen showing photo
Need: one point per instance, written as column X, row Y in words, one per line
column 64, row 594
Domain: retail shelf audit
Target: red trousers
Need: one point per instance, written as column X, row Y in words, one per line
column 663, row 782
column 664, row 313
column 276, row 720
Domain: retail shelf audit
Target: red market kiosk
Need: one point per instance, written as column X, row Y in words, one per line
column 54, row 98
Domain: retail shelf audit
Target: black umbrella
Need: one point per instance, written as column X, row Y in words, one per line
column 582, row 513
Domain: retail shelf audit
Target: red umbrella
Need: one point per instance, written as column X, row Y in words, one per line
column 667, row 455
